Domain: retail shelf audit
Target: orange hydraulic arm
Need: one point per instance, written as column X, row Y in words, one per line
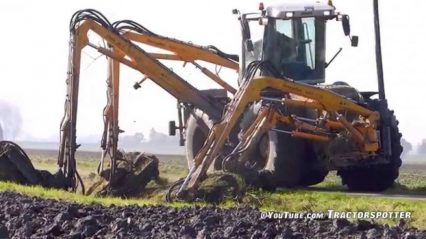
column 148, row 65
column 183, row 51
column 186, row 52
column 123, row 50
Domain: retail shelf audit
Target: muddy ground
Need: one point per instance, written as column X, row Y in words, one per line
column 30, row 217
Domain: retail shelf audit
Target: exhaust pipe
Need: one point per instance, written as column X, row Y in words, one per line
column 379, row 60
column 386, row 131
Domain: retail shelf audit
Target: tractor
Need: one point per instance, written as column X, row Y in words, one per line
column 290, row 39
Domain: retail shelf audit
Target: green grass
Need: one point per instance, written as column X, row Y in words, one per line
column 332, row 196
column 173, row 167
column 412, row 179
column 293, row 201
column 79, row 198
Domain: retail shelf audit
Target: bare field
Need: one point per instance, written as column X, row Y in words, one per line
column 330, row 194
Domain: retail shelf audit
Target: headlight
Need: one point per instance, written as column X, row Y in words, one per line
column 289, row 14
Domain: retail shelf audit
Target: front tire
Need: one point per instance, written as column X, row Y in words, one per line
column 290, row 162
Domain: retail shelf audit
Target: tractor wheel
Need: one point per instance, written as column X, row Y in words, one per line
column 197, row 129
column 283, row 162
column 295, row 162
column 378, row 177
column 289, row 161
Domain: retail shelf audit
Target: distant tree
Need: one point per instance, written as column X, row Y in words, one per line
column 10, row 119
column 135, row 139
column 407, row 147
column 139, row 137
column 157, row 137
column 422, row 147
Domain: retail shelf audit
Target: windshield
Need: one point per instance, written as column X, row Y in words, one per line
column 295, row 47
column 257, row 32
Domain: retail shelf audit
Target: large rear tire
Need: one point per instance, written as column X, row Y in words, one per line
column 375, row 178
column 197, row 129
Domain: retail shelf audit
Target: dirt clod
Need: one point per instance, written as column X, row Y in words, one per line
column 340, row 223
column 364, row 225
column 132, row 175
column 218, row 187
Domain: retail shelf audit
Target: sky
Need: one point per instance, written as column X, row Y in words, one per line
column 34, row 55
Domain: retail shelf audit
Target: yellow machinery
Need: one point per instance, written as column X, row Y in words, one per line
column 123, row 51
column 281, row 128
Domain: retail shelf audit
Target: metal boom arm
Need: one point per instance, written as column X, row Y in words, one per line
column 122, row 50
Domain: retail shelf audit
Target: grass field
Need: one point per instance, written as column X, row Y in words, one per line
column 320, row 198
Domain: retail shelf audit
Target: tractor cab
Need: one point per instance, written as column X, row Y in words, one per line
column 291, row 37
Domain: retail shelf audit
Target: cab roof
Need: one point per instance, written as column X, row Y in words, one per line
column 300, row 8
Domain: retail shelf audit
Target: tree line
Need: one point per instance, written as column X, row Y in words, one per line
column 409, row 148
column 158, row 137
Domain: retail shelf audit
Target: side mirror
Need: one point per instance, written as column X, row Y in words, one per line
column 354, row 41
column 346, row 25
column 172, row 128
column 235, row 11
